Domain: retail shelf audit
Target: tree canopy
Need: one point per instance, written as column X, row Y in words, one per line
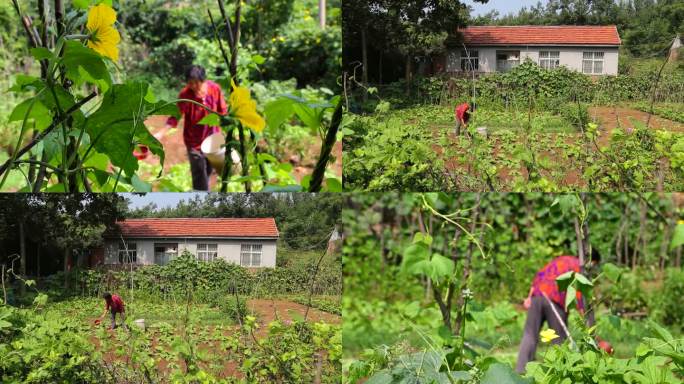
column 647, row 27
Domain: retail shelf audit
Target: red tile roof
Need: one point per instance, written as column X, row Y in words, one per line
column 199, row 227
column 541, row 35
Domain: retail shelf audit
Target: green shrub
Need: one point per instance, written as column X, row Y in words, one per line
column 626, row 296
column 204, row 280
column 542, row 88
column 670, row 309
column 236, row 310
column 576, row 114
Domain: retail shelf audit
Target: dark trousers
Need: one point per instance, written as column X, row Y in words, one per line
column 200, row 170
column 540, row 311
column 122, row 315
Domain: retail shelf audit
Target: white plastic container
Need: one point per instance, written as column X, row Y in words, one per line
column 213, row 148
column 140, row 323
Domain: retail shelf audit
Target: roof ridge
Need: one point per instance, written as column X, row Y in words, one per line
column 541, row 26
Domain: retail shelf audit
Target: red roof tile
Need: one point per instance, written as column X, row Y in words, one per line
column 199, row 227
column 541, row 35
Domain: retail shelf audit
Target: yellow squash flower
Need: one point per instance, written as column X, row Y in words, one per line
column 548, row 335
column 103, row 36
column 243, row 107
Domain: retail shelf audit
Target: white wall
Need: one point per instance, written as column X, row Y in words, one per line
column 570, row 57
column 228, row 250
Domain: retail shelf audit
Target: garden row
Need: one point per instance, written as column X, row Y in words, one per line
column 529, row 84
column 414, row 149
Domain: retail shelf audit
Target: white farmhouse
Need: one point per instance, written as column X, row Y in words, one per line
column 249, row 242
column 592, row 50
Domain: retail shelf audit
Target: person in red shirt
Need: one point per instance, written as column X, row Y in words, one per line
column 462, row 113
column 114, row 304
column 544, row 294
column 209, row 94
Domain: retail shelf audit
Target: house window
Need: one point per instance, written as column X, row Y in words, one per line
column 207, row 252
column 507, row 60
column 128, row 253
column 165, row 252
column 549, row 59
column 470, row 61
column 250, row 255
column 592, row 63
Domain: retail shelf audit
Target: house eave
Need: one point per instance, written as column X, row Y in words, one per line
column 140, row 237
column 545, row 45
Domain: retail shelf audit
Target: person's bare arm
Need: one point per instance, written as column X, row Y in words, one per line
column 528, row 301
column 105, row 311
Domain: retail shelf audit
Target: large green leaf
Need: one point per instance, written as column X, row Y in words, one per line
column 37, row 112
column 211, row 119
column 565, row 280
column 277, row 112
column 416, row 259
column 120, row 117
column 499, row 373
column 612, row 272
column 82, row 64
column 677, row 236
column 442, row 267
column 311, row 117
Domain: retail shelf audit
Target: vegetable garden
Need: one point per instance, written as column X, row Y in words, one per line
column 90, row 80
column 204, row 323
column 188, row 320
column 533, row 130
column 435, row 283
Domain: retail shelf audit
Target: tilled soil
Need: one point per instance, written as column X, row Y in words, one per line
column 175, row 152
column 609, row 118
column 265, row 310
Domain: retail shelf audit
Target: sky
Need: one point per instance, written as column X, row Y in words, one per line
column 503, row 6
column 162, row 199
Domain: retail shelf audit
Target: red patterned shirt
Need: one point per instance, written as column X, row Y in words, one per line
column 462, row 114
column 116, row 304
column 194, row 134
column 545, row 280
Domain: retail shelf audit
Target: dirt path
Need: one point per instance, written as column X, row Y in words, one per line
column 174, row 149
column 610, row 117
column 268, row 310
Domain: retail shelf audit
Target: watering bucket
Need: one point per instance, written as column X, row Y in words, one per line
column 213, row 148
column 140, row 323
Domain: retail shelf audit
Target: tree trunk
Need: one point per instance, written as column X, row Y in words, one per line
column 408, row 75
column 22, row 253
column 640, row 236
column 664, row 242
column 380, row 69
column 364, row 59
column 59, row 16
column 67, row 257
column 321, row 13
column 38, row 261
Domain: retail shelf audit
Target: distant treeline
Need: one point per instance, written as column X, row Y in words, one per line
column 647, row 27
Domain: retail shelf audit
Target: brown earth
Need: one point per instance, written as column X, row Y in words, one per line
column 265, row 310
column 174, row 149
column 612, row 117
column 609, row 118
